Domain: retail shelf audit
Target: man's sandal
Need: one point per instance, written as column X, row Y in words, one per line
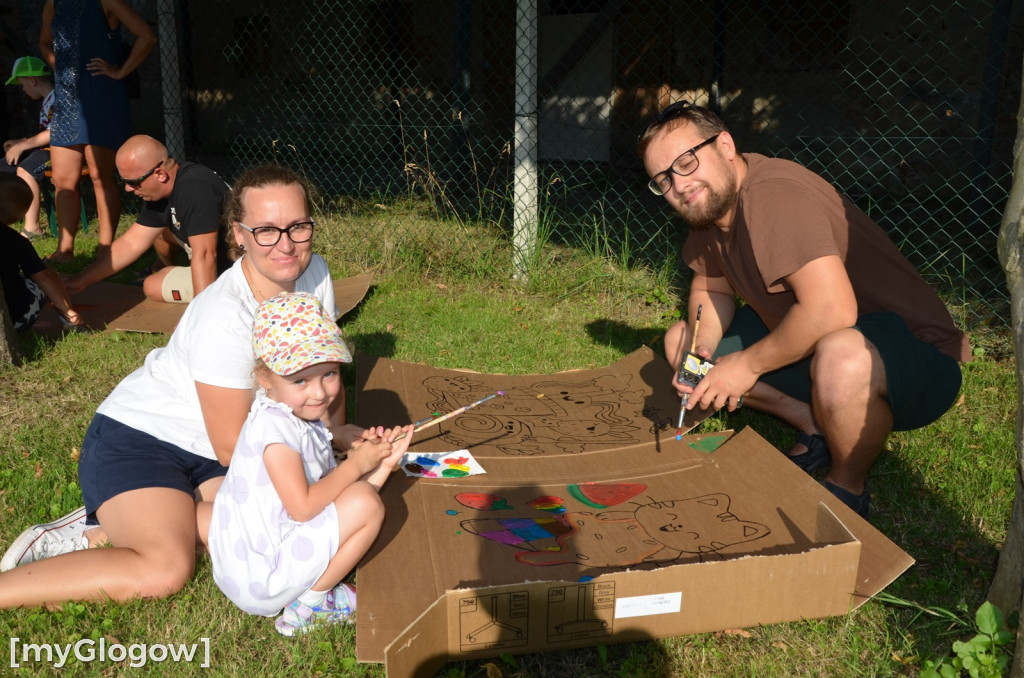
column 816, row 457
column 859, row 503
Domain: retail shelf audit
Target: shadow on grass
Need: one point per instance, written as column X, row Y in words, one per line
column 955, row 560
column 646, row 658
column 625, row 338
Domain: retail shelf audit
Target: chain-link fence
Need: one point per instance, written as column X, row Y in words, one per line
column 502, row 110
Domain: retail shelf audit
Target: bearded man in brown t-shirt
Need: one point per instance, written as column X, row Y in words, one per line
column 838, row 335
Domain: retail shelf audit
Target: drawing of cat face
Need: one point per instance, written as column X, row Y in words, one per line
column 696, row 525
column 659, row 531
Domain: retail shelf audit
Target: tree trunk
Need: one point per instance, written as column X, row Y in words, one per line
column 10, row 347
column 1008, row 583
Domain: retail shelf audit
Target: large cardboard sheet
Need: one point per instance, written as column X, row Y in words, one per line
column 587, row 481
column 116, row 307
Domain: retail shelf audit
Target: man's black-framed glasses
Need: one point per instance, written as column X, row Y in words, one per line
column 268, row 236
column 685, row 165
column 135, row 183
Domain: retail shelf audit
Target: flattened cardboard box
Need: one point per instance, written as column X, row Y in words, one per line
column 119, row 307
column 592, row 523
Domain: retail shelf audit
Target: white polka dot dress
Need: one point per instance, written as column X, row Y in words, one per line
column 262, row 559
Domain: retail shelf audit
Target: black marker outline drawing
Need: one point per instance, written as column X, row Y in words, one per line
column 549, row 416
column 659, row 531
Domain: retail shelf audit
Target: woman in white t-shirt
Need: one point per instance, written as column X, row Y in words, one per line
column 163, row 438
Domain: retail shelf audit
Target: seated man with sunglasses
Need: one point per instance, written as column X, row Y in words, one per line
column 839, row 335
column 181, row 207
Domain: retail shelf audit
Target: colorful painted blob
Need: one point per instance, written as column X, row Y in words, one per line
column 482, row 502
column 548, row 504
column 413, row 467
column 709, row 444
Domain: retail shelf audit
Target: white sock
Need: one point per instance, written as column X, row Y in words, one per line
column 313, row 598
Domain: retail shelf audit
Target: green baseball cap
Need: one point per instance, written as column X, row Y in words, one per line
column 28, row 67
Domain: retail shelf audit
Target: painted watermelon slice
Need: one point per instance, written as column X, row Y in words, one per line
column 603, row 495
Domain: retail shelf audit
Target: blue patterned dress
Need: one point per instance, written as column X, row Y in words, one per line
column 89, row 109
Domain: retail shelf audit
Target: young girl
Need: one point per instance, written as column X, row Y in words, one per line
column 288, row 523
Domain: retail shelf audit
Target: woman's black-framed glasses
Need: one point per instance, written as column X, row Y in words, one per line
column 685, row 165
column 268, row 236
column 135, row 183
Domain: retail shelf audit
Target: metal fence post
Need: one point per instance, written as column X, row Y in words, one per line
column 524, row 194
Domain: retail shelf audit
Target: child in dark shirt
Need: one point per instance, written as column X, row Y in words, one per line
column 26, row 279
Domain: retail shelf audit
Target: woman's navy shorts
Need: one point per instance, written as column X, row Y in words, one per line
column 116, row 458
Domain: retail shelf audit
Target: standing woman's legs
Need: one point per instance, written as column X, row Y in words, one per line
column 66, row 162
column 108, row 193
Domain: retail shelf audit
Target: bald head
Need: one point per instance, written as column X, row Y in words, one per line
column 142, row 149
column 146, row 168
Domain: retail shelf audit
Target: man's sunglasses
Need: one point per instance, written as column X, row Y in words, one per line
column 135, row 183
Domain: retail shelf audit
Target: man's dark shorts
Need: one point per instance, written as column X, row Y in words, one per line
column 922, row 382
column 116, row 458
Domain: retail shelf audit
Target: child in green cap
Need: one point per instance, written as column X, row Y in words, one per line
column 29, row 157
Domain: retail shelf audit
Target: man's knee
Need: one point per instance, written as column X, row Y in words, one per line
column 844, row 356
column 674, row 342
column 153, row 285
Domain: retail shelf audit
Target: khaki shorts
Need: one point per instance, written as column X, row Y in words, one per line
column 177, row 287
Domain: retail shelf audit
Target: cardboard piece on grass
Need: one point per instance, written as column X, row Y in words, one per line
column 118, row 307
column 510, row 553
column 99, row 305
column 155, row 316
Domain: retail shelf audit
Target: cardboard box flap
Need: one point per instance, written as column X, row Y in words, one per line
column 348, row 292
column 423, row 647
column 829, row 529
column 750, row 458
column 479, row 532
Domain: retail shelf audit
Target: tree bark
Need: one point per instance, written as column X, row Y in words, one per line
column 10, row 347
column 1008, row 584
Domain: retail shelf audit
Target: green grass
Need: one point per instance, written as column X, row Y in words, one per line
column 441, row 296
